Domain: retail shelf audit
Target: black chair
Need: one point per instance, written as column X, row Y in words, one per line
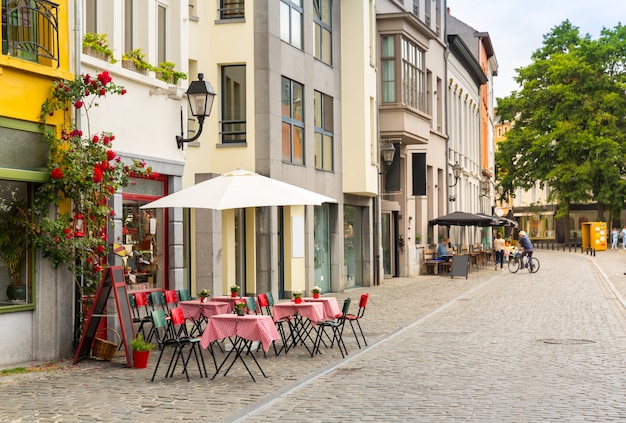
column 336, row 326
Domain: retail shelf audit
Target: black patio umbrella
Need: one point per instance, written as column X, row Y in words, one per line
column 460, row 218
column 498, row 221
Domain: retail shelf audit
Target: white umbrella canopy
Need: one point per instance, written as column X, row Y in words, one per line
column 239, row 189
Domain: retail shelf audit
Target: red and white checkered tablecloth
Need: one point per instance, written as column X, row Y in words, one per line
column 331, row 306
column 312, row 311
column 253, row 327
column 194, row 309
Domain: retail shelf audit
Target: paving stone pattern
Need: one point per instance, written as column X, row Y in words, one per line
column 496, row 347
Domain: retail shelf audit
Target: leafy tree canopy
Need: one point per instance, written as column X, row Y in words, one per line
column 569, row 126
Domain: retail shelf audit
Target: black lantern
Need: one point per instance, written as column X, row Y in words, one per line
column 388, row 151
column 200, row 95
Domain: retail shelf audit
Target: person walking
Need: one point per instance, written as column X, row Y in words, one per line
column 498, row 246
column 614, row 235
column 623, row 235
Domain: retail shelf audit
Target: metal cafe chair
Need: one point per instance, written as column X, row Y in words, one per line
column 336, row 326
column 355, row 318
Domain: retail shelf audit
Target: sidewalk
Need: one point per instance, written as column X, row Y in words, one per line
column 325, row 387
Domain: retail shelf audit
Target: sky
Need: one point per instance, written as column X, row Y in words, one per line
column 517, row 27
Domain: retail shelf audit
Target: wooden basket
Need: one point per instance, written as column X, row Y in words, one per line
column 104, row 349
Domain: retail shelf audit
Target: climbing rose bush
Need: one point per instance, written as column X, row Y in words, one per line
column 84, row 173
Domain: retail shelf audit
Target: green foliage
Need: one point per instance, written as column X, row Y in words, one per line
column 16, row 232
column 568, row 129
column 84, row 173
column 139, row 344
column 165, row 72
column 138, row 57
column 100, row 44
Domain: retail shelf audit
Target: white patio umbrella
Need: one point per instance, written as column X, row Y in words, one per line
column 239, row 189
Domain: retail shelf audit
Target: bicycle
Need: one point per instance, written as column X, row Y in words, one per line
column 516, row 262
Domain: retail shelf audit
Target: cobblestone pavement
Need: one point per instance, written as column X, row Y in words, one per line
column 496, row 347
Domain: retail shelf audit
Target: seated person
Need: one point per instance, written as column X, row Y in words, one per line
column 442, row 251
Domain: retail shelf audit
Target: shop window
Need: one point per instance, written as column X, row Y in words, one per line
column 15, row 254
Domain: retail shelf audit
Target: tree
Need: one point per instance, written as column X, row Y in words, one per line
column 569, row 129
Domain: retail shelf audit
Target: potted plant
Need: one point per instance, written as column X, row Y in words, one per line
column 135, row 60
column 418, row 239
column 297, row 296
column 204, row 295
column 240, row 308
column 165, row 72
column 316, row 291
column 141, row 351
column 234, row 290
column 97, row 45
column 15, row 236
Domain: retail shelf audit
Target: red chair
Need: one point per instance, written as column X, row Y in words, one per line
column 144, row 312
column 171, row 299
column 357, row 317
column 266, row 301
column 176, row 336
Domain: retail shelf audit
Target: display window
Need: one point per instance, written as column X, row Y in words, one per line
column 144, row 237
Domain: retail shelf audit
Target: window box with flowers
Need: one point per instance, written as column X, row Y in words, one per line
column 84, row 173
column 135, row 60
column 297, row 296
column 97, row 45
column 165, row 72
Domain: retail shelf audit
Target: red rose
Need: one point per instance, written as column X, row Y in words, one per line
column 111, row 154
column 95, row 139
column 78, row 104
column 103, row 91
column 123, row 91
column 67, row 230
column 56, row 173
column 97, row 175
column 101, row 249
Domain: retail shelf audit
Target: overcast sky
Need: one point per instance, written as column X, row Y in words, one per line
column 517, row 27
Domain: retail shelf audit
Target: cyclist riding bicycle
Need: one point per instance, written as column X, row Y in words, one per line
column 525, row 245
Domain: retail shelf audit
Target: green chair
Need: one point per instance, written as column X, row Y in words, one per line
column 184, row 295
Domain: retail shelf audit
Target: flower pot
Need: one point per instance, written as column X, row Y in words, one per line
column 233, row 294
column 140, row 359
column 316, row 295
column 297, row 300
column 16, row 292
column 204, row 299
column 241, row 312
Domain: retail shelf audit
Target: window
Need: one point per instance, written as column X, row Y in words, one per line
column 389, row 69
column 161, row 34
column 291, row 22
column 231, row 9
column 30, row 30
column 322, row 10
column 233, row 104
column 128, row 25
column 323, row 122
column 292, row 121
column 91, row 17
column 413, row 76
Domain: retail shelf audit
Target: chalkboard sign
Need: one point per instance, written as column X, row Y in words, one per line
column 460, row 266
column 123, row 311
column 113, row 279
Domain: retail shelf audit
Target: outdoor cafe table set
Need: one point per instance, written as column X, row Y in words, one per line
column 303, row 317
column 257, row 327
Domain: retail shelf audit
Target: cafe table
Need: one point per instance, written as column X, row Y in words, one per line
column 331, row 306
column 246, row 329
column 199, row 312
column 302, row 318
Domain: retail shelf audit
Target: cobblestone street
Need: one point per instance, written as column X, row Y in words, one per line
column 497, row 347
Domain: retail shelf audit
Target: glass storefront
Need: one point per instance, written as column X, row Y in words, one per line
column 322, row 247
column 352, row 246
column 144, row 236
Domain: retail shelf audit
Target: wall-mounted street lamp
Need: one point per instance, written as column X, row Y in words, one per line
column 200, row 95
column 388, row 151
column 456, row 171
column 485, row 187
